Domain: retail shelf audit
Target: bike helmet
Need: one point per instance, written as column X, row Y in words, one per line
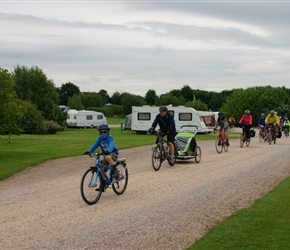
column 262, row 114
column 163, row 108
column 220, row 113
column 103, row 127
column 272, row 112
column 247, row 112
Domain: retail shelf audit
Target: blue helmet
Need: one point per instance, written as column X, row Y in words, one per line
column 247, row 112
column 103, row 127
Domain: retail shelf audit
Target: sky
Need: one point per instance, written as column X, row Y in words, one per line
column 134, row 46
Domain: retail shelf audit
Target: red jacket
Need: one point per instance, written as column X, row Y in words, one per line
column 246, row 119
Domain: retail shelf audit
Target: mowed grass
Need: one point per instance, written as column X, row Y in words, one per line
column 265, row 225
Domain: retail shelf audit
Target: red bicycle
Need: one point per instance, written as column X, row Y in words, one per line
column 221, row 142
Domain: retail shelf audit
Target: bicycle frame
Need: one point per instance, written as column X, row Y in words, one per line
column 95, row 180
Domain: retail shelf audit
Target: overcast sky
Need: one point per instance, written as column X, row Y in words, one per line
column 133, row 46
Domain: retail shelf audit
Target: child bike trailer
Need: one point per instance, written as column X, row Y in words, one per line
column 185, row 144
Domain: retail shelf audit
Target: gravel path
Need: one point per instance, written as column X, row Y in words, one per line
column 41, row 207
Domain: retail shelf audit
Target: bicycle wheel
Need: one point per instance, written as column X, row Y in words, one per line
column 274, row 139
column 248, row 140
column 91, row 186
column 218, row 145
column 261, row 139
column 270, row 137
column 286, row 132
column 119, row 185
column 197, row 153
column 242, row 140
column 226, row 147
column 157, row 158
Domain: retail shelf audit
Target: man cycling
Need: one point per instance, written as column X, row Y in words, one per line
column 246, row 122
column 167, row 126
column 286, row 123
column 222, row 122
column 272, row 119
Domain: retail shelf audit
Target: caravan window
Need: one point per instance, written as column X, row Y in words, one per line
column 89, row 117
column 100, row 117
column 144, row 116
column 185, row 117
column 171, row 112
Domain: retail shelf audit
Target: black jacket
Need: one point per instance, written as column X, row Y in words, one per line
column 166, row 123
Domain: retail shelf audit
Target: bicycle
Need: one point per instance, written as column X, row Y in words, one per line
column 262, row 134
column 221, row 142
column 286, row 131
column 244, row 138
column 161, row 152
column 271, row 134
column 97, row 179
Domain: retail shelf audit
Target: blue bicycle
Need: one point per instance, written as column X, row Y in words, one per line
column 98, row 178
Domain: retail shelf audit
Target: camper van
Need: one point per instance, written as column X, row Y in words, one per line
column 142, row 118
column 84, row 118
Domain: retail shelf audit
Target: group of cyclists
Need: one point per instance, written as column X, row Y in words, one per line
column 167, row 126
column 246, row 123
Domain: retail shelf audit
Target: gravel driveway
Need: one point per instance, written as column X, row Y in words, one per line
column 41, row 207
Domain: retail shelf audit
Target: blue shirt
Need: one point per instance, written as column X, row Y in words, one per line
column 107, row 145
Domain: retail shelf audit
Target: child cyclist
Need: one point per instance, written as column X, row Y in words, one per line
column 222, row 122
column 108, row 147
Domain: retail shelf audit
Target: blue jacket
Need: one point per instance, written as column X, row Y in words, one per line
column 166, row 123
column 107, row 145
column 261, row 121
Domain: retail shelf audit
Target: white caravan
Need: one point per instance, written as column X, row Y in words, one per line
column 143, row 117
column 84, row 118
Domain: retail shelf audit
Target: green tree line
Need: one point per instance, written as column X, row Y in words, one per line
column 30, row 102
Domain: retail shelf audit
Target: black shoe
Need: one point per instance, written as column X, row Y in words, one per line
column 98, row 189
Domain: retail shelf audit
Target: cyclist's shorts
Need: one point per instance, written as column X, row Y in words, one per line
column 104, row 163
column 170, row 137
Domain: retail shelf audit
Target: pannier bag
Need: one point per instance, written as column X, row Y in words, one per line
column 252, row 133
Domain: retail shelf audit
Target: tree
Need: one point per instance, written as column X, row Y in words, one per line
column 257, row 99
column 66, row 91
column 116, row 98
column 11, row 107
column 91, row 99
column 105, row 96
column 150, row 97
column 129, row 100
column 75, row 102
column 32, row 85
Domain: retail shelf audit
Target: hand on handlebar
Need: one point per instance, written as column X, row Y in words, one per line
column 87, row 153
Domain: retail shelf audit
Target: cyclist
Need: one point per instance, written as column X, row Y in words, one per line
column 262, row 124
column 261, row 121
column 222, row 122
column 286, row 123
column 167, row 126
column 246, row 121
column 108, row 147
column 272, row 119
column 232, row 121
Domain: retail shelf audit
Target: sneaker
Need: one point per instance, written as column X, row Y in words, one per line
column 171, row 160
column 219, row 143
column 227, row 143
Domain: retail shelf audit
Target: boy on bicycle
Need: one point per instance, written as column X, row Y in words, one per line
column 167, row 126
column 108, row 147
column 222, row 122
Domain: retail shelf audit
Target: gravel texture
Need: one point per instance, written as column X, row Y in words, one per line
column 41, row 207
